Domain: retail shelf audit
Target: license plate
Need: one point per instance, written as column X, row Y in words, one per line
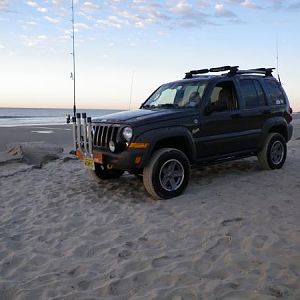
column 89, row 163
column 98, row 157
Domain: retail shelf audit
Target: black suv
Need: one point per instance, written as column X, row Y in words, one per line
column 199, row 120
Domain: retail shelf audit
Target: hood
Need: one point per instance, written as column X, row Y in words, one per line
column 143, row 116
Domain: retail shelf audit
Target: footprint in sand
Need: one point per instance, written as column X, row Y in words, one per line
column 259, row 241
column 124, row 254
column 83, row 285
column 219, row 247
column 160, row 261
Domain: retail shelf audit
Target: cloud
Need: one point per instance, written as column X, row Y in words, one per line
column 294, row 6
column 89, row 6
column 31, row 23
column 111, row 21
column 51, row 20
column 249, row 4
column 224, row 13
column 81, row 26
column 181, row 7
column 3, row 4
column 32, row 4
column 32, row 41
column 37, row 6
column 42, row 9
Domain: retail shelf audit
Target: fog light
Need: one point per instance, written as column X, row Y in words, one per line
column 112, row 146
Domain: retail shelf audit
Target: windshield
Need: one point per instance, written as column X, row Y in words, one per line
column 177, row 95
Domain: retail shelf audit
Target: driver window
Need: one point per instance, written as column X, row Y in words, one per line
column 223, row 97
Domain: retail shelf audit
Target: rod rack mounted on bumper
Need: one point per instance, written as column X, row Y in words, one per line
column 82, row 135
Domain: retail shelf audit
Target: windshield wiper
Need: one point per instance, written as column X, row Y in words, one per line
column 147, row 106
column 168, row 105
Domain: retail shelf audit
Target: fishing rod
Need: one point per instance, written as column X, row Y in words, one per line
column 73, row 54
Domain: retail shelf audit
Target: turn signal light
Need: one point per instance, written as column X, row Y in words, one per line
column 138, row 145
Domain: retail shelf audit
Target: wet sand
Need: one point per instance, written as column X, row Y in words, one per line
column 55, row 134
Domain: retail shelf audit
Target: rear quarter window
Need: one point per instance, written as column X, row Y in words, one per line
column 275, row 93
column 252, row 93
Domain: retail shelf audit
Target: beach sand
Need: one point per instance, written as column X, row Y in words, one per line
column 234, row 234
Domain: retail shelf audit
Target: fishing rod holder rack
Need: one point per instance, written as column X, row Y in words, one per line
column 82, row 134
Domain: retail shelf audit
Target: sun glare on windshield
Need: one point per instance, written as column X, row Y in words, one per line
column 177, row 95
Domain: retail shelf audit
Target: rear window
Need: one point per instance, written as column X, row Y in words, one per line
column 252, row 93
column 275, row 93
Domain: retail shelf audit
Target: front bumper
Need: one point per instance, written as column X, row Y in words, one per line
column 127, row 160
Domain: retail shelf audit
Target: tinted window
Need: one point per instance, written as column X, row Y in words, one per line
column 223, row 97
column 252, row 93
column 276, row 95
column 260, row 93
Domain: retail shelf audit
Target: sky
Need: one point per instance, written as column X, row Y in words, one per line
column 125, row 49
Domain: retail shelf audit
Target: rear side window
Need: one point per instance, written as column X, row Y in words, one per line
column 275, row 92
column 252, row 93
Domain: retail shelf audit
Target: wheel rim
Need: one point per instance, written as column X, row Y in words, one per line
column 171, row 175
column 277, row 152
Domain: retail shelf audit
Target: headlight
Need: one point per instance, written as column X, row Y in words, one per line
column 127, row 133
column 112, row 146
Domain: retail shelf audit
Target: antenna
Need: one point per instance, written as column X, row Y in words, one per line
column 131, row 88
column 277, row 58
column 73, row 54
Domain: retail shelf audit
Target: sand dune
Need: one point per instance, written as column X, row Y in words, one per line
column 234, row 234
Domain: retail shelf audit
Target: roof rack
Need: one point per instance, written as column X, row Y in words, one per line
column 216, row 69
column 233, row 70
column 263, row 71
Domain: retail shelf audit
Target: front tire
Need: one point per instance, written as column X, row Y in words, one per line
column 273, row 154
column 167, row 174
column 103, row 173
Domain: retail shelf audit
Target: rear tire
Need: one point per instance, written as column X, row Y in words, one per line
column 273, row 154
column 167, row 174
column 103, row 173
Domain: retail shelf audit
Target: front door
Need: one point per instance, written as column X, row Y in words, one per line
column 221, row 126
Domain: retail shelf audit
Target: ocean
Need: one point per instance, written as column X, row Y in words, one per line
column 43, row 116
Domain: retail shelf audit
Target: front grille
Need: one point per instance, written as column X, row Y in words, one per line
column 104, row 133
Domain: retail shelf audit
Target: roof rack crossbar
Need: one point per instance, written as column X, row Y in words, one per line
column 216, row 69
column 232, row 71
column 263, row 71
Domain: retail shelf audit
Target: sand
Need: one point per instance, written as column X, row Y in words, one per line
column 234, row 234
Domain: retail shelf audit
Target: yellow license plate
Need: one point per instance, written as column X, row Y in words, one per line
column 89, row 163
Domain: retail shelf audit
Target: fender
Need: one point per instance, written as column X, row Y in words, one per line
column 276, row 121
column 154, row 136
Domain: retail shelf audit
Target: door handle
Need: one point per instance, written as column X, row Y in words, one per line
column 235, row 116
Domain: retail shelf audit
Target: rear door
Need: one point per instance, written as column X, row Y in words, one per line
column 254, row 112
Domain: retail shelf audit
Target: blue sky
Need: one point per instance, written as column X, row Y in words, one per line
column 145, row 42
